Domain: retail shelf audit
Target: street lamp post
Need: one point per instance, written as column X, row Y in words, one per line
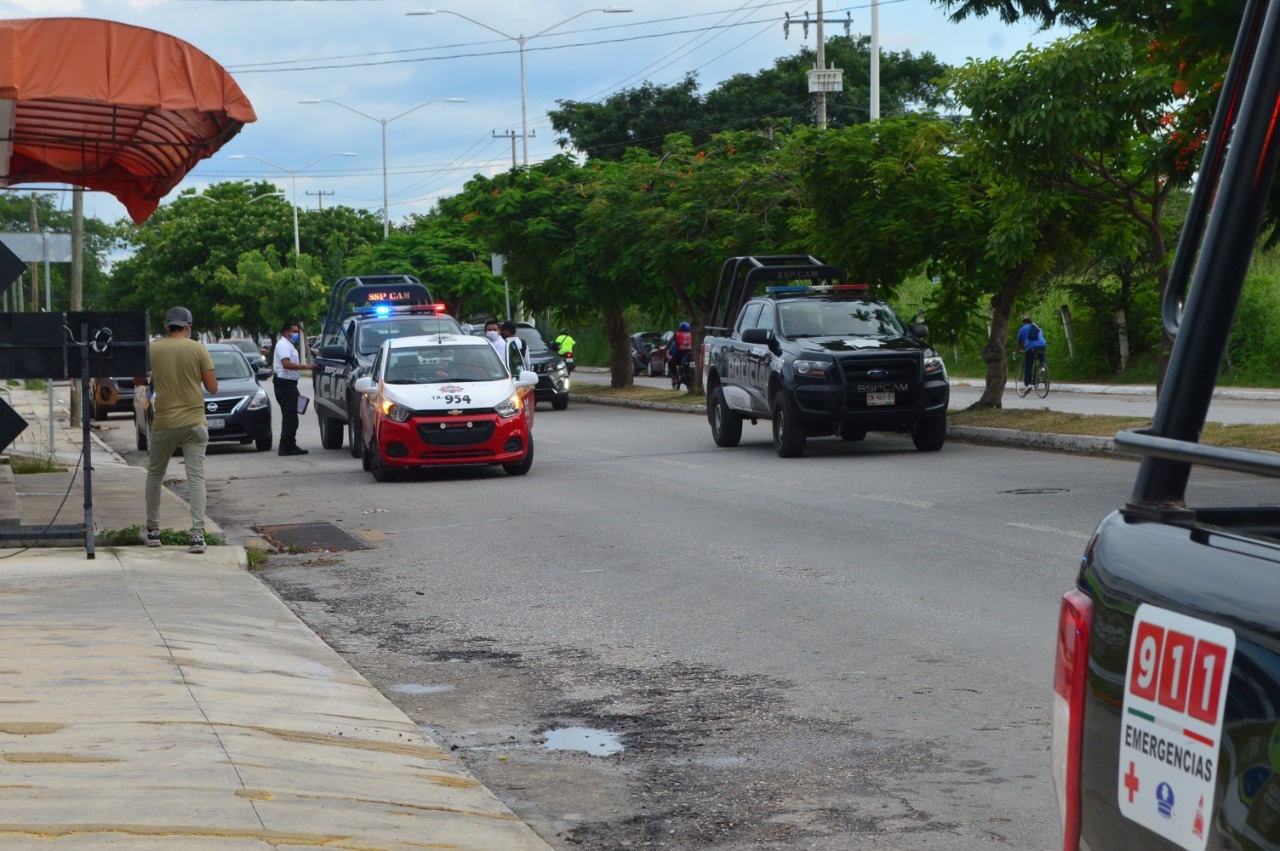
column 293, row 176
column 521, row 40
column 386, row 205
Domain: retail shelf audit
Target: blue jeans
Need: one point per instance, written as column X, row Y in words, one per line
column 1031, row 356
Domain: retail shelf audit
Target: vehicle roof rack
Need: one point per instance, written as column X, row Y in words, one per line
column 741, row 276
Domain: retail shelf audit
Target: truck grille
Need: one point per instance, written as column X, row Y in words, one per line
column 888, row 372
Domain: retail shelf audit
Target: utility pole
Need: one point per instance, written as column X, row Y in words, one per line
column 821, row 78
column 35, row 267
column 77, row 281
column 512, row 135
column 321, row 193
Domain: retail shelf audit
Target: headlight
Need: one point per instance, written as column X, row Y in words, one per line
column 811, row 368
column 259, row 400
column 395, row 412
column 509, row 407
column 933, row 366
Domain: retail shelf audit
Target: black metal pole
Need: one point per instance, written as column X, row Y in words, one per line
column 86, row 442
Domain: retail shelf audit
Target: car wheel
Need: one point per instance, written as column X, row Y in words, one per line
column 366, row 452
column 262, row 444
column 332, row 431
column 141, row 439
column 852, row 435
column 930, row 434
column 519, row 468
column 726, row 425
column 560, row 401
column 380, row 471
column 99, row 413
column 788, row 438
column 357, row 440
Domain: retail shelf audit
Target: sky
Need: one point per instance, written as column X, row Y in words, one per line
column 374, row 57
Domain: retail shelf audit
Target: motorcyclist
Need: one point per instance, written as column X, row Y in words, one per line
column 564, row 345
column 679, row 352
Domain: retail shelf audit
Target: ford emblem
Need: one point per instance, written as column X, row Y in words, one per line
column 877, row 373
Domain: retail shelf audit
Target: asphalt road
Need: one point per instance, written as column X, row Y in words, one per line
column 852, row 649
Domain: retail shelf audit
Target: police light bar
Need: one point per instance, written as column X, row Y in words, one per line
column 381, row 310
column 790, row 289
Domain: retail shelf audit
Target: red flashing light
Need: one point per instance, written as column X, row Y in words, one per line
column 851, row 287
column 1075, row 622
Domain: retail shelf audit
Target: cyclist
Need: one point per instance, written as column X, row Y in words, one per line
column 1031, row 341
column 679, row 353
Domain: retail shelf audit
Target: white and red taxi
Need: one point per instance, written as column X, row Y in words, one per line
column 444, row 400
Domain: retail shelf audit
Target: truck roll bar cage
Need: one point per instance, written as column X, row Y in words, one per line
column 741, row 276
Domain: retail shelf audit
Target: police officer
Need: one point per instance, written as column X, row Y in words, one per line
column 564, row 345
column 286, row 365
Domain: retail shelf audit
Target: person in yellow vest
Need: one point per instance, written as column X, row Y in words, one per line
column 564, row 345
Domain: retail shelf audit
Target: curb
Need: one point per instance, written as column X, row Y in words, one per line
column 1077, row 443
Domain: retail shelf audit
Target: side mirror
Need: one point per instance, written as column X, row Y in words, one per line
column 365, row 384
column 333, row 351
column 262, row 373
column 757, row 336
column 920, row 329
column 527, row 378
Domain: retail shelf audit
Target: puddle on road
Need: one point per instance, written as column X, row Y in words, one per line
column 416, row 688
column 594, row 742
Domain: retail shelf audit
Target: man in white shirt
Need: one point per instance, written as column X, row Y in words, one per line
column 286, row 365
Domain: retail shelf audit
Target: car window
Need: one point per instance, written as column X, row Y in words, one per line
column 228, row 365
column 246, row 346
column 333, row 335
column 373, row 334
column 533, row 338
column 750, row 315
column 838, row 319
column 436, row 364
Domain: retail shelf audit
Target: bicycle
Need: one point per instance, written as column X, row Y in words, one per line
column 682, row 373
column 1039, row 376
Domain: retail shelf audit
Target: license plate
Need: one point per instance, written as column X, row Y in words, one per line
column 217, row 422
column 880, row 398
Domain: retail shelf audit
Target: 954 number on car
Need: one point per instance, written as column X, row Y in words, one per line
column 453, row 398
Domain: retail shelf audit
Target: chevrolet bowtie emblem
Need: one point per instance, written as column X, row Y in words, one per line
column 454, row 413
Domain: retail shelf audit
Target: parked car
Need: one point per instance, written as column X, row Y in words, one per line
column 642, row 343
column 252, row 351
column 110, row 396
column 443, row 400
column 551, row 369
column 240, row 411
column 658, row 354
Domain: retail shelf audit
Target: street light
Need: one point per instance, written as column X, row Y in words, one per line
column 522, row 40
column 276, row 194
column 293, row 174
column 386, row 211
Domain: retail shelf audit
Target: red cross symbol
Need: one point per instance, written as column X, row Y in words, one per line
column 1131, row 782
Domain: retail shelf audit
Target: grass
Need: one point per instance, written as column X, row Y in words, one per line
column 34, row 384
column 22, row 464
column 130, row 536
column 1246, row 436
column 257, row 557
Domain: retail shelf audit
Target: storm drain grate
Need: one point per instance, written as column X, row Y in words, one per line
column 312, row 536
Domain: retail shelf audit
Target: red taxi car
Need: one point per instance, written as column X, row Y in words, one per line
column 444, row 400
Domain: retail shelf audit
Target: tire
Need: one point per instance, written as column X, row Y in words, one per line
column 519, row 468
column 366, row 452
column 852, row 435
column 332, row 431
column 353, row 423
column 380, row 471
column 560, row 401
column 1042, row 382
column 930, row 434
column 726, row 425
column 262, row 444
column 141, row 441
column 98, row 413
column 788, row 437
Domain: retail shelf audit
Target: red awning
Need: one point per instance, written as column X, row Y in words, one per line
column 110, row 107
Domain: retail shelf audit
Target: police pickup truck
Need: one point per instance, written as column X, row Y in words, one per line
column 1166, row 727
column 363, row 312
column 817, row 357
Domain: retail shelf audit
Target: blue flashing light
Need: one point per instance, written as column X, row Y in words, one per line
column 382, row 310
column 793, row 288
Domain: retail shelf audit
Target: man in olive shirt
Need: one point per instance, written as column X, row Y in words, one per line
column 180, row 368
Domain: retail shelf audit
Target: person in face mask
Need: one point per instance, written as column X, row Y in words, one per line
column 286, row 387
column 493, row 333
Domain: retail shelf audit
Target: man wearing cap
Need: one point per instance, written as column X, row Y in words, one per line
column 180, row 368
column 287, row 364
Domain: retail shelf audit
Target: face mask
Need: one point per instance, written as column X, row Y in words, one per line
column 294, row 339
column 493, row 335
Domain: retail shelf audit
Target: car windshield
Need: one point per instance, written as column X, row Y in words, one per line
column 249, row 347
column 229, row 364
column 533, row 338
column 437, row 364
column 372, row 335
column 838, row 319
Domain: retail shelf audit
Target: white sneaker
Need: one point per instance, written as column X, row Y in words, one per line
column 196, row 540
column 150, row 537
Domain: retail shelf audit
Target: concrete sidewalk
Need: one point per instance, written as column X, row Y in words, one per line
column 151, row 698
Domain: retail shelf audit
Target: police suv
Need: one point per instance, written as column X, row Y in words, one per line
column 364, row 312
column 816, row 356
